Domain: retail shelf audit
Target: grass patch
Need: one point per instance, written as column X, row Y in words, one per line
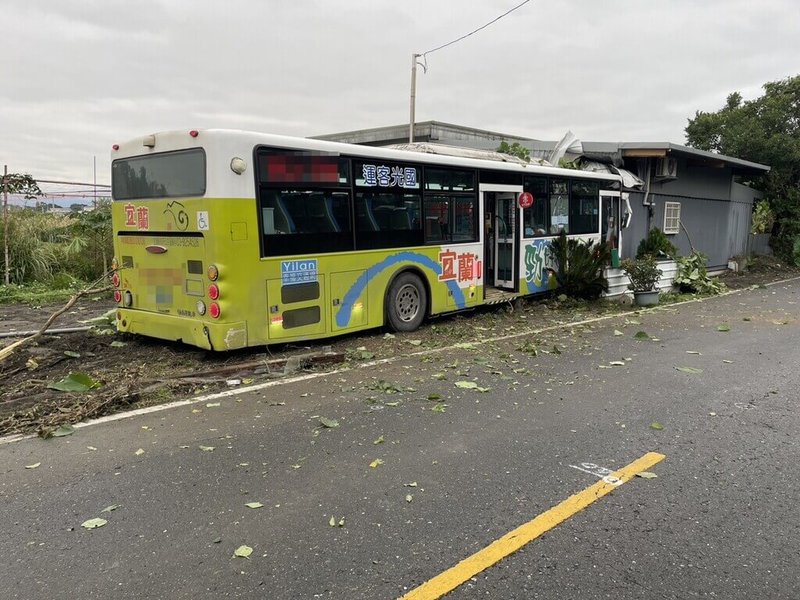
column 37, row 294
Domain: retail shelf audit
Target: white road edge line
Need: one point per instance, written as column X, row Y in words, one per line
column 260, row 386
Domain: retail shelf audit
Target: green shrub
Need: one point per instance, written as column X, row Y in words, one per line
column 657, row 244
column 580, row 267
column 643, row 273
column 763, row 217
column 692, row 275
column 64, row 281
column 786, row 230
column 42, row 244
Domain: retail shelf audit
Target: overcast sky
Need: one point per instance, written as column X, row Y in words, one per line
column 80, row 75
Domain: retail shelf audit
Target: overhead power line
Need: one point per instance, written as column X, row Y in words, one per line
column 424, row 65
column 73, row 183
column 476, row 30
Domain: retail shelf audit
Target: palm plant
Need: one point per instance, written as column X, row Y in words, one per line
column 580, row 266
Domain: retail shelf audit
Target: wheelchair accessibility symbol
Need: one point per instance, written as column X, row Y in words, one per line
column 202, row 220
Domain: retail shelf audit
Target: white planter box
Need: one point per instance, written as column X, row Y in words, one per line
column 618, row 281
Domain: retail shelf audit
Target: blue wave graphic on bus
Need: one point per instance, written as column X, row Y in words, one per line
column 343, row 316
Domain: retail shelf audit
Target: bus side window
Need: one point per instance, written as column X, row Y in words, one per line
column 365, row 217
column 276, row 216
column 320, row 217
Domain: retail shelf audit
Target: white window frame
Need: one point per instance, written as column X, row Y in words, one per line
column 672, row 218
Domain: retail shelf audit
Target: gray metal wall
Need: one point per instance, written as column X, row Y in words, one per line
column 717, row 228
column 716, row 213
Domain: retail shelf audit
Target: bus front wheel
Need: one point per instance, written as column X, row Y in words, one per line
column 406, row 303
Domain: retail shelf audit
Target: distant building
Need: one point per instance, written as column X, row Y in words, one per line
column 699, row 199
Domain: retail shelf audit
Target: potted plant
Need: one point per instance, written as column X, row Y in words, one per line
column 644, row 275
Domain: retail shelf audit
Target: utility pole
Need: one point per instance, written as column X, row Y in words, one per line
column 95, row 181
column 5, row 224
column 414, row 58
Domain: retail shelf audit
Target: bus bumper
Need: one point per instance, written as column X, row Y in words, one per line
column 210, row 336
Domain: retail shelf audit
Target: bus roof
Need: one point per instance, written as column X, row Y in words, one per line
column 241, row 143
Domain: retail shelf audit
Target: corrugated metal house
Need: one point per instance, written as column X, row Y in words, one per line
column 699, row 199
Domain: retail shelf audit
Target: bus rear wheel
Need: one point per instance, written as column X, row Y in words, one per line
column 406, row 303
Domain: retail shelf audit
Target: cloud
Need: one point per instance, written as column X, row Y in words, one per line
column 80, row 75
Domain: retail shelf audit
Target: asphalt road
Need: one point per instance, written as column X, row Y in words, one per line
column 720, row 520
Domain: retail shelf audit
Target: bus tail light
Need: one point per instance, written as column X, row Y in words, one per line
column 117, row 296
column 114, row 264
column 194, row 133
column 127, row 299
column 115, row 280
column 214, row 310
column 201, row 307
column 213, row 272
column 213, row 291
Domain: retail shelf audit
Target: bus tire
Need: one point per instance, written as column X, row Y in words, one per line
column 406, row 303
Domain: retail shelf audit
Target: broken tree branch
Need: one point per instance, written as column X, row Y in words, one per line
column 91, row 289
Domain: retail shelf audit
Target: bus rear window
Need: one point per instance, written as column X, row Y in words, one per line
column 167, row 175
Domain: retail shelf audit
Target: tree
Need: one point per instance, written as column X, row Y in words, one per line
column 764, row 130
column 20, row 184
column 92, row 239
column 515, row 149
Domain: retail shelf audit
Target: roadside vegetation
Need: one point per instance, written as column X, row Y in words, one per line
column 764, row 130
column 52, row 255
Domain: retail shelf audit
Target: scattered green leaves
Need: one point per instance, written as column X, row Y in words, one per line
column 376, row 463
column 72, row 354
column 724, row 327
column 62, row 431
column 254, row 505
column 243, row 552
column 93, row 523
column 379, row 440
column 467, row 385
column 328, row 423
column 439, row 407
column 386, row 387
column 334, row 523
column 33, row 466
column 656, row 425
column 647, row 475
column 641, row 335
column 74, row 382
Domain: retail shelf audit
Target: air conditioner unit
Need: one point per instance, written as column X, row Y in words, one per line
column 667, row 168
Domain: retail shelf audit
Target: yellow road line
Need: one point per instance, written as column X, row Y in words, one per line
column 514, row 540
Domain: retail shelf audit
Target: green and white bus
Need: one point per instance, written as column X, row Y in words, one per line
column 227, row 239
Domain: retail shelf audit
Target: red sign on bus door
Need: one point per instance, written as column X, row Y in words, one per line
column 525, row 200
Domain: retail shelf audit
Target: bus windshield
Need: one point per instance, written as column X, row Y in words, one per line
column 165, row 175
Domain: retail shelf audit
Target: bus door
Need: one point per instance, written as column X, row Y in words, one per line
column 611, row 224
column 500, row 224
column 505, row 226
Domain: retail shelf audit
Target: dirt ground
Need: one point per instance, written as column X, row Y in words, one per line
column 134, row 372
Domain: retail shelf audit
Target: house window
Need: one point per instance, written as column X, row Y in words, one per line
column 672, row 217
